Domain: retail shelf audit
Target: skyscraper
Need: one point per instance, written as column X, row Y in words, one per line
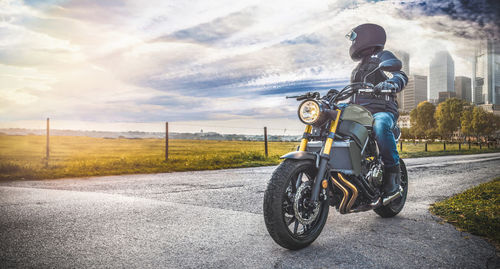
column 404, row 57
column 446, row 95
column 486, row 73
column 441, row 75
column 463, row 88
column 414, row 93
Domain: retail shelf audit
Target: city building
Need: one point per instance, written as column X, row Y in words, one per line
column 414, row 93
column 495, row 109
column 441, row 75
column 463, row 88
column 404, row 57
column 445, row 95
column 404, row 121
column 486, row 73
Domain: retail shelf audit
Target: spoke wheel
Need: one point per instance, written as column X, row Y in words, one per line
column 291, row 219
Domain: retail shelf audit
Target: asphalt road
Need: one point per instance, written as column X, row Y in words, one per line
column 213, row 219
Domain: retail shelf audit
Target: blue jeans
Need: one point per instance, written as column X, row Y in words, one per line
column 383, row 125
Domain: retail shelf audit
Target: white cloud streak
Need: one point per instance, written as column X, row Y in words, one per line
column 132, row 61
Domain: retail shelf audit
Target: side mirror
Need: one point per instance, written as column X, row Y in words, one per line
column 390, row 65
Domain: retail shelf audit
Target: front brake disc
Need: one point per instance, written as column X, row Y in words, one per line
column 304, row 213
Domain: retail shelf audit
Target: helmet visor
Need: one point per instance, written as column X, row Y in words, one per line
column 351, row 35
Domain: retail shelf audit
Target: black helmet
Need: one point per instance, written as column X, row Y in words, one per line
column 367, row 39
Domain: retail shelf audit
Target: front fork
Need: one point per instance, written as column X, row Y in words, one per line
column 324, row 156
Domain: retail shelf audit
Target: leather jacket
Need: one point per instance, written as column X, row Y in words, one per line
column 383, row 103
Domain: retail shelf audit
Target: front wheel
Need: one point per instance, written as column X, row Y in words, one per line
column 397, row 205
column 291, row 219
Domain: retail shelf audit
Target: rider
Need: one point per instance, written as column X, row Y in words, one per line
column 367, row 46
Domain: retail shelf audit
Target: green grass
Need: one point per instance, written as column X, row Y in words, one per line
column 23, row 157
column 476, row 210
column 415, row 150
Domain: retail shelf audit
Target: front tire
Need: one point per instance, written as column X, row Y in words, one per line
column 279, row 214
column 397, row 205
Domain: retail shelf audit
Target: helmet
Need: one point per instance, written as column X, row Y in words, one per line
column 367, row 39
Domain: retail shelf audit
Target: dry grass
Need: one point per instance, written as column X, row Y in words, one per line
column 23, row 157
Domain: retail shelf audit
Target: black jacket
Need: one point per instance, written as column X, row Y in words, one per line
column 372, row 103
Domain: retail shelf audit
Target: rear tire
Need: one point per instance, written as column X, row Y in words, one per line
column 397, row 205
column 277, row 214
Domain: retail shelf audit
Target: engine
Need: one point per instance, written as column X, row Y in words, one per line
column 375, row 174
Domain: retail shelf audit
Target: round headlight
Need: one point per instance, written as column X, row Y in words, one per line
column 309, row 112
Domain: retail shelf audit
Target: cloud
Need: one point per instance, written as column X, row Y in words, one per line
column 201, row 60
column 468, row 19
column 216, row 30
column 303, row 86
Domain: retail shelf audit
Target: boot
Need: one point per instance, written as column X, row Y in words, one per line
column 392, row 179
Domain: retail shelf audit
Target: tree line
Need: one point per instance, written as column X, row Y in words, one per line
column 453, row 116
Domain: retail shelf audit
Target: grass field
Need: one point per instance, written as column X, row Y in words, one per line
column 476, row 210
column 23, row 157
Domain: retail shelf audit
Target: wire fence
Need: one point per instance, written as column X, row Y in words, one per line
column 267, row 135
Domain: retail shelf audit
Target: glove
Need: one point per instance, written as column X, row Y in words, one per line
column 383, row 86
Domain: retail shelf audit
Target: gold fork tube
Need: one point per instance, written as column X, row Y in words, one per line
column 303, row 142
column 333, row 129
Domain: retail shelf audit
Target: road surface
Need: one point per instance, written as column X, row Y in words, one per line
column 213, row 219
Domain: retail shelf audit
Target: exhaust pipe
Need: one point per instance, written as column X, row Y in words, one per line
column 344, row 198
column 368, row 206
column 348, row 189
column 354, row 192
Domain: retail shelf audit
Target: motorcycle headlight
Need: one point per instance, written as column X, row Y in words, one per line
column 310, row 112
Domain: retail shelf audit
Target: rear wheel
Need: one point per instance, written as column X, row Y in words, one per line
column 397, row 205
column 291, row 219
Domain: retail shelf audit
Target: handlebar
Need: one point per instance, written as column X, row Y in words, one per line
column 371, row 91
column 346, row 92
column 305, row 96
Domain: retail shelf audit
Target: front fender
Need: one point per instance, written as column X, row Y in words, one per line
column 300, row 155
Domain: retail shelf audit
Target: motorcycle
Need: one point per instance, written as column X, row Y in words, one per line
column 337, row 164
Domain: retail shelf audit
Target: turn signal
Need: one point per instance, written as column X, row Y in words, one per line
column 324, row 184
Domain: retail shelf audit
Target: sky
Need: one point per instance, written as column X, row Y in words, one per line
column 219, row 65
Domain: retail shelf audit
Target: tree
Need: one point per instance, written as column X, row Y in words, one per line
column 405, row 133
column 448, row 116
column 479, row 122
column 422, row 120
column 493, row 124
column 466, row 122
column 496, row 125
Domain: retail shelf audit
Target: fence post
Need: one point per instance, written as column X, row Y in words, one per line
column 47, row 150
column 469, row 144
column 166, row 141
column 265, row 141
column 444, row 145
column 425, row 146
column 401, row 145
